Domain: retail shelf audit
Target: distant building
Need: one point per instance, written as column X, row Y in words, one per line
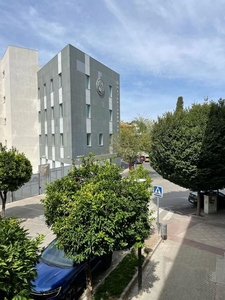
column 18, row 102
column 54, row 114
column 79, row 107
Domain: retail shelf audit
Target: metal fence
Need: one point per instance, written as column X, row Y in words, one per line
column 37, row 184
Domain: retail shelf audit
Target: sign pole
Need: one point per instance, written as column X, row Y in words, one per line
column 158, row 193
column 158, row 226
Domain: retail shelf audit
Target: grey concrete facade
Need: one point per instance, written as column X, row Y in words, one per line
column 18, row 105
column 79, row 107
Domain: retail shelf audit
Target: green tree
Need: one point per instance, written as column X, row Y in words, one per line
column 143, row 129
column 133, row 139
column 88, row 208
column 19, row 255
column 188, row 148
column 180, row 104
column 15, row 171
column 125, row 143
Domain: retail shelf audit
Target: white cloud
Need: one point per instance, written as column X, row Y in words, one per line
column 160, row 42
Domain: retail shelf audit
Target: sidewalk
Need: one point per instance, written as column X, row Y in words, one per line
column 31, row 212
column 190, row 264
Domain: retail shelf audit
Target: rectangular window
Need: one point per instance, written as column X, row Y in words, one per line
column 60, row 110
column 52, row 112
column 51, row 86
column 53, row 140
column 61, row 140
column 110, row 139
column 88, row 110
column 60, row 80
column 87, row 82
column 45, row 90
column 88, row 139
column 110, row 115
column 100, row 139
column 110, row 91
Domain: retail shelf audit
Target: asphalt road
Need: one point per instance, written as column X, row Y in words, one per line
column 174, row 199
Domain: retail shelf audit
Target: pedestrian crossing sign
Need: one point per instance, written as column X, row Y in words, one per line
column 158, row 191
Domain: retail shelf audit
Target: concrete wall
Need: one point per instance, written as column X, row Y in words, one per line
column 19, row 118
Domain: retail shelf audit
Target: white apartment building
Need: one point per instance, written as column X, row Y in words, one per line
column 18, row 102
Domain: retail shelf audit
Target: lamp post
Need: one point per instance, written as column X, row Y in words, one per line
column 139, row 255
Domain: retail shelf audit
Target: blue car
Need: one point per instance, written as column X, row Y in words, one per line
column 59, row 277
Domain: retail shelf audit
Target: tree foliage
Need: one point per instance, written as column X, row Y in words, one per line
column 15, row 171
column 93, row 211
column 19, row 255
column 133, row 139
column 189, row 148
column 180, row 104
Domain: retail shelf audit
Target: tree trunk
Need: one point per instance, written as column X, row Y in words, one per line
column 3, row 196
column 130, row 164
column 198, row 213
column 89, row 284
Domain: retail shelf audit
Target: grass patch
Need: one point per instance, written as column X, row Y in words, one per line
column 118, row 279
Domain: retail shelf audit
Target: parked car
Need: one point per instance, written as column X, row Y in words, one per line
column 142, row 157
column 192, row 198
column 59, row 277
column 146, row 158
column 138, row 160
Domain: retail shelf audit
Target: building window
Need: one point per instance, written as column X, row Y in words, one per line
column 45, row 114
column 44, row 89
column 60, row 110
column 87, row 82
column 100, row 141
column 39, row 93
column 52, row 112
column 51, row 86
column 61, row 140
column 110, row 91
column 60, row 80
column 53, row 140
column 88, row 110
column 88, row 139
column 110, row 139
column 110, row 115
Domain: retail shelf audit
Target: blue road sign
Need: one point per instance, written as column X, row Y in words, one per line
column 158, row 191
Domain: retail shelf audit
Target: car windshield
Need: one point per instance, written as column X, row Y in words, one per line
column 53, row 256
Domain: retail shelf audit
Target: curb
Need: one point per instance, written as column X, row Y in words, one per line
column 131, row 283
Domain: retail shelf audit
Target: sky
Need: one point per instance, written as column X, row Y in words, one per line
column 161, row 49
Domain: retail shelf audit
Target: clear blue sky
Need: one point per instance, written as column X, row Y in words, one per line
column 161, row 49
